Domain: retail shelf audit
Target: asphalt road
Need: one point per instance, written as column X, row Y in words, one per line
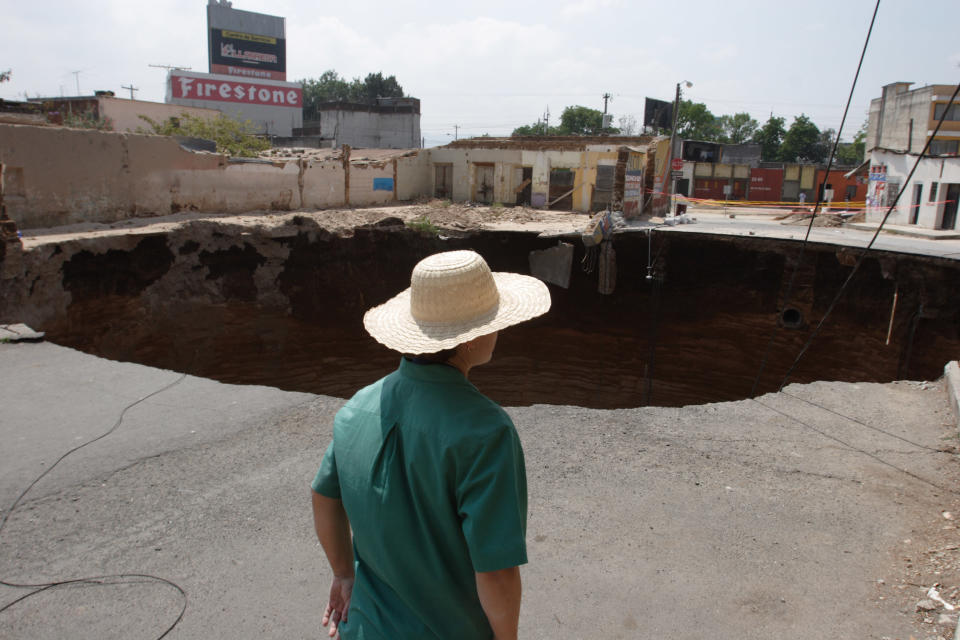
column 724, row 521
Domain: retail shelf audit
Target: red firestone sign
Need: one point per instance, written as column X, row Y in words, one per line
column 678, row 164
column 217, row 90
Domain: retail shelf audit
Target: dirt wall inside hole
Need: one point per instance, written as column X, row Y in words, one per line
column 283, row 305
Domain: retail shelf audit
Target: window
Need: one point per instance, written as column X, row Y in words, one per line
column 893, row 188
column 952, row 114
column 933, row 191
column 943, row 147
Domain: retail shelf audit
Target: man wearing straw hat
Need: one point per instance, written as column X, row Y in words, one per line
column 427, row 471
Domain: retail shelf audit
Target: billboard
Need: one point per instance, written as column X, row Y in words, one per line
column 274, row 107
column 243, row 43
column 657, row 114
column 221, row 89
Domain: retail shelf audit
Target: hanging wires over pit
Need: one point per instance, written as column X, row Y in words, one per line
column 816, row 206
column 865, row 250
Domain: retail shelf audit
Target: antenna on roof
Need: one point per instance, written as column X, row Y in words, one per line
column 169, row 67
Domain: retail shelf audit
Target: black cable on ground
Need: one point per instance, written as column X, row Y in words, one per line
column 816, row 206
column 866, row 249
column 123, row 578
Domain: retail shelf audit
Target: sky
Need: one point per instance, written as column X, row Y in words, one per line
column 488, row 67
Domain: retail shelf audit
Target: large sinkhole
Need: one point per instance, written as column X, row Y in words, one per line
column 285, row 308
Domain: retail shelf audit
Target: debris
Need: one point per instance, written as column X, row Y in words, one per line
column 553, row 265
column 933, row 594
column 926, row 605
column 947, row 515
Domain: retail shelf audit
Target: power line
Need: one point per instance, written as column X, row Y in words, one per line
column 816, row 207
column 866, row 249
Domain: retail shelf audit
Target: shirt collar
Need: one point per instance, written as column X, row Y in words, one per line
column 442, row 373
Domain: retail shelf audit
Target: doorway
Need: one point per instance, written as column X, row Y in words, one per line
column 949, row 220
column 527, row 191
column 917, row 199
column 561, row 189
column 443, row 181
column 483, row 183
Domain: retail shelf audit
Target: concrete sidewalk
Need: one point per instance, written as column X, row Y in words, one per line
column 774, row 518
column 908, row 230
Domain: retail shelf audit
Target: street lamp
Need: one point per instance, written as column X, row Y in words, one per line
column 673, row 137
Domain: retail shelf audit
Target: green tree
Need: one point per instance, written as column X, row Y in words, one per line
column 574, row 121
column 5, row 75
column 233, row 137
column 580, row 121
column 331, row 87
column 770, row 137
column 696, row 122
column 538, row 128
column 802, row 142
column 376, row 86
column 852, row 153
column 738, row 128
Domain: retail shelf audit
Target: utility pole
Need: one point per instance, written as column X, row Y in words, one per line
column 131, row 88
column 673, row 137
column 456, row 132
column 546, row 121
column 606, row 97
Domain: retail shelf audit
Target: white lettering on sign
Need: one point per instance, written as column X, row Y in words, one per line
column 235, row 91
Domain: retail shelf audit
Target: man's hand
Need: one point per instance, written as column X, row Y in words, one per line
column 333, row 531
column 339, row 605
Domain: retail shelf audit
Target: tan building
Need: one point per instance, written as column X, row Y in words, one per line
column 571, row 173
column 902, row 119
column 119, row 114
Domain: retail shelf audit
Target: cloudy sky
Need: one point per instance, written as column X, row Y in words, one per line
column 491, row 66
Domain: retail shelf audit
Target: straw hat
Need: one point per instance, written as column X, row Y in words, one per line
column 454, row 297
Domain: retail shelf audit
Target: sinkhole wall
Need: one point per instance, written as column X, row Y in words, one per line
column 282, row 306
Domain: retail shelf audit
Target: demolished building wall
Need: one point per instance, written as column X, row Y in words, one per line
column 60, row 176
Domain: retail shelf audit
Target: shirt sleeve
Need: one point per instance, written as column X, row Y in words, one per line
column 326, row 482
column 492, row 501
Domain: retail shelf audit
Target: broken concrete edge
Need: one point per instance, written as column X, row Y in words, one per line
column 951, row 375
column 19, row 333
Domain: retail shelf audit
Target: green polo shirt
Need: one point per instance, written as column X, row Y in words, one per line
column 431, row 475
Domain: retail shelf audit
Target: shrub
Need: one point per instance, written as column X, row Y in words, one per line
column 424, row 226
column 233, row 137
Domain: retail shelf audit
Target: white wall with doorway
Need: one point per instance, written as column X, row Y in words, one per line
column 929, row 199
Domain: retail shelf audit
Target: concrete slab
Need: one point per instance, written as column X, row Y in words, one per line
column 907, row 230
column 19, row 333
column 786, row 517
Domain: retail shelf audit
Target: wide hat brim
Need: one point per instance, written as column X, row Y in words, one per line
column 392, row 324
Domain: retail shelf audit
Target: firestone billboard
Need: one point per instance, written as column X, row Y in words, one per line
column 220, row 89
column 273, row 107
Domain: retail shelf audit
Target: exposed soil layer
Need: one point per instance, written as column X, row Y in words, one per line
column 283, row 305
